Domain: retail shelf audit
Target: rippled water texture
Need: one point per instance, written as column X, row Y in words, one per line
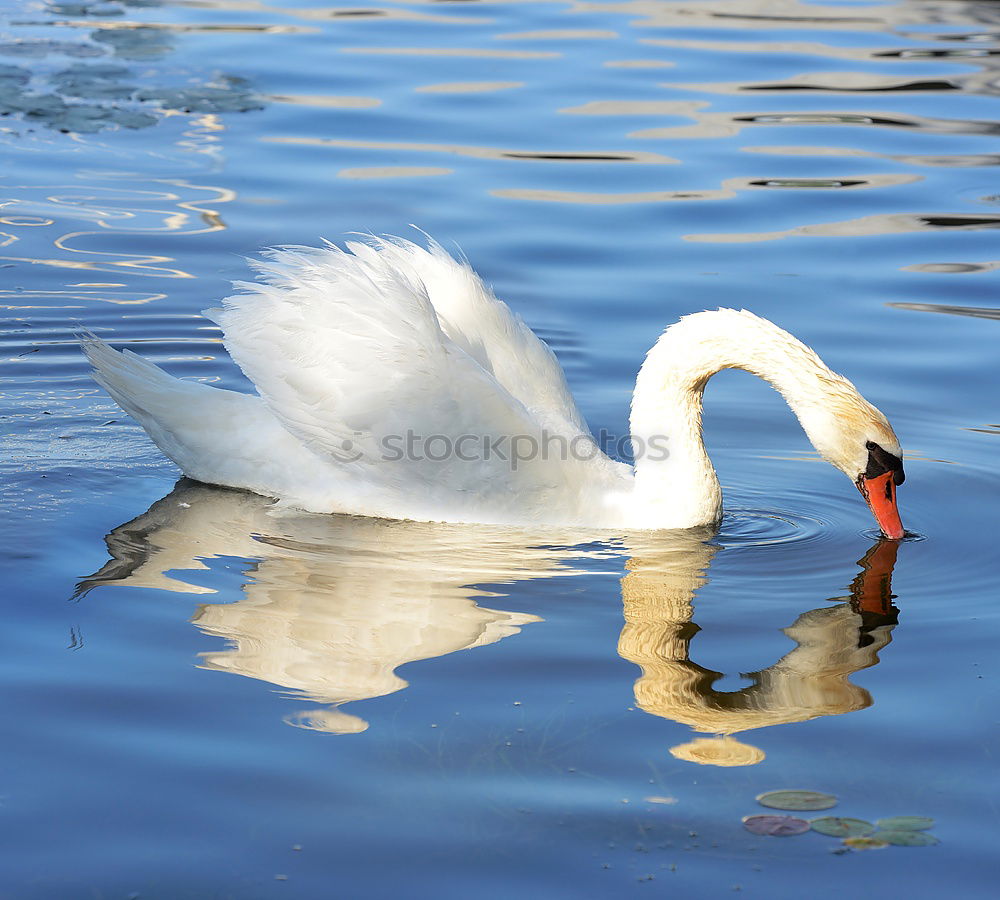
column 207, row 698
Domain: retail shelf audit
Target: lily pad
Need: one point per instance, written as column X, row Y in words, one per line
column 138, row 42
column 41, row 48
column 797, row 800
column 775, row 826
column 905, row 823
column 836, row 826
column 132, row 119
column 865, row 843
column 227, row 97
column 13, row 75
column 905, row 838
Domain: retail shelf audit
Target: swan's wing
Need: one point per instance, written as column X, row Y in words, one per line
column 484, row 327
column 348, row 354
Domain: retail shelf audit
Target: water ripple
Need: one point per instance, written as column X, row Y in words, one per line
column 761, row 527
column 155, row 206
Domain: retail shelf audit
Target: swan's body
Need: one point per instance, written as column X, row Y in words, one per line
column 392, row 383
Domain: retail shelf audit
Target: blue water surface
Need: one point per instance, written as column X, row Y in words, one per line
column 437, row 711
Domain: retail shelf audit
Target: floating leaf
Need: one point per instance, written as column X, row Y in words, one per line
column 797, row 800
column 135, row 42
column 836, row 826
column 11, row 75
column 907, row 838
column 905, row 823
column 865, row 843
column 775, row 826
column 132, row 119
column 230, row 97
column 42, row 48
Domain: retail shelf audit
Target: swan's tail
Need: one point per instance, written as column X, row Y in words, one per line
column 135, row 384
column 214, row 435
column 176, row 414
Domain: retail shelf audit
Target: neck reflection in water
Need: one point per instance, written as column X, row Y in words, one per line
column 333, row 605
column 832, row 643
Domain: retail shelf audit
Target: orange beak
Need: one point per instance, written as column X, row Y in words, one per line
column 880, row 492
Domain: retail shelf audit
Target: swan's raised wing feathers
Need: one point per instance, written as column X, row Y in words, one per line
column 484, row 327
column 349, row 355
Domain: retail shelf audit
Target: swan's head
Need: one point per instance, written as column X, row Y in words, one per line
column 857, row 438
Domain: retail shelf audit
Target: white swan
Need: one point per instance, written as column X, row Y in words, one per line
column 392, row 383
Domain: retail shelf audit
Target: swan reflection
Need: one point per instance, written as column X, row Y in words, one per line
column 331, row 606
column 812, row 680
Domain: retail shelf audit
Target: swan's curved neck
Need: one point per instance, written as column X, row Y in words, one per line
column 679, row 488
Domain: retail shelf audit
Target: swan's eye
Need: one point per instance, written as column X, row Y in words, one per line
column 881, row 461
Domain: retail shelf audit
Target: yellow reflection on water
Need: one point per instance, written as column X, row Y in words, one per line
column 16, row 299
column 178, row 207
column 469, row 87
column 325, row 101
column 332, row 606
column 23, row 221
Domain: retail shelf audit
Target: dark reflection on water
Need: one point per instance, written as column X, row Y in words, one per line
column 480, row 152
column 974, row 311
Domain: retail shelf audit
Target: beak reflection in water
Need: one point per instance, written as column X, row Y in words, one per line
column 333, row 605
